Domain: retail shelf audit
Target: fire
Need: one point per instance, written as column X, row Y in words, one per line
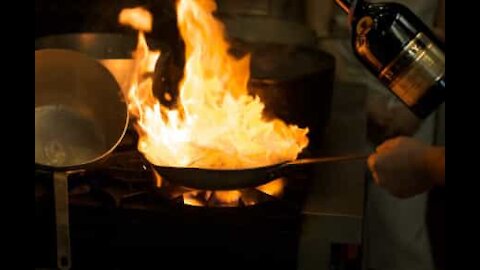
column 216, row 123
column 158, row 179
column 138, row 18
column 192, row 201
column 273, row 188
column 196, row 198
column 228, row 197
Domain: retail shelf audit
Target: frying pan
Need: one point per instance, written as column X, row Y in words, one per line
column 229, row 179
column 80, row 117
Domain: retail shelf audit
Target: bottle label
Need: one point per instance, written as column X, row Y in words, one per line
column 420, row 64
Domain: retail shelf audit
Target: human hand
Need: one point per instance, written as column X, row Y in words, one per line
column 400, row 166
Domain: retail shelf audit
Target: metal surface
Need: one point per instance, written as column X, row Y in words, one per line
column 80, row 114
column 228, row 179
column 334, row 207
column 61, row 219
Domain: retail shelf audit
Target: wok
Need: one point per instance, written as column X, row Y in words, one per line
column 80, row 117
column 229, row 179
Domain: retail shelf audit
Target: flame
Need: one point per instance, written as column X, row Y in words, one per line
column 158, row 179
column 228, row 197
column 212, row 198
column 192, row 201
column 139, row 18
column 273, row 188
column 233, row 198
column 196, row 198
column 216, row 123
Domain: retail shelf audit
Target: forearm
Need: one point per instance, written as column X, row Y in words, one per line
column 435, row 165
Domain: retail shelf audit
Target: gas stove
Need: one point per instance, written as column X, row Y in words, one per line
column 121, row 217
column 124, row 216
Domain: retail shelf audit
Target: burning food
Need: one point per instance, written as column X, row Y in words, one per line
column 216, row 123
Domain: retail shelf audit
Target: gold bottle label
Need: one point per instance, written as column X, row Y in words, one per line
column 420, row 64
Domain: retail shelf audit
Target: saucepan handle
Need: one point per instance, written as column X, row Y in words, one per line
column 60, row 185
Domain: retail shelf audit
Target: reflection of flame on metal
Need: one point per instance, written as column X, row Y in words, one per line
column 235, row 198
column 273, row 188
column 226, row 198
column 158, row 179
column 192, row 201
column 197, row 198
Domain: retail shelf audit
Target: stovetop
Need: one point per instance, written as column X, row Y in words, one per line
column 121, row 217
column 120, row 220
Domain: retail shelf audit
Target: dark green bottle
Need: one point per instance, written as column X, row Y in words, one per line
column 400, row 50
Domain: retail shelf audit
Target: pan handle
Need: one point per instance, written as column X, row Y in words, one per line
column 279, row 171
column 60, row 186
column 305, row 161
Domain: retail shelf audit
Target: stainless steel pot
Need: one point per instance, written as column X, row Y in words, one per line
column 80, row 117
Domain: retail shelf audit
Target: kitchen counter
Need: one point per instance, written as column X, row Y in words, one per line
column 333, row 212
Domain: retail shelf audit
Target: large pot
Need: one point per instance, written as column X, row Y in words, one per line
column 296, row 85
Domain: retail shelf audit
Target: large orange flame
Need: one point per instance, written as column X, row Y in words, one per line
column 216, row 124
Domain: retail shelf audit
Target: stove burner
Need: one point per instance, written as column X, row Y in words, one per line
column 221, row 198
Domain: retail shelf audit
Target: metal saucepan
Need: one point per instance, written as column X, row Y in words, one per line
column 80, row 117
column 229, row 179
